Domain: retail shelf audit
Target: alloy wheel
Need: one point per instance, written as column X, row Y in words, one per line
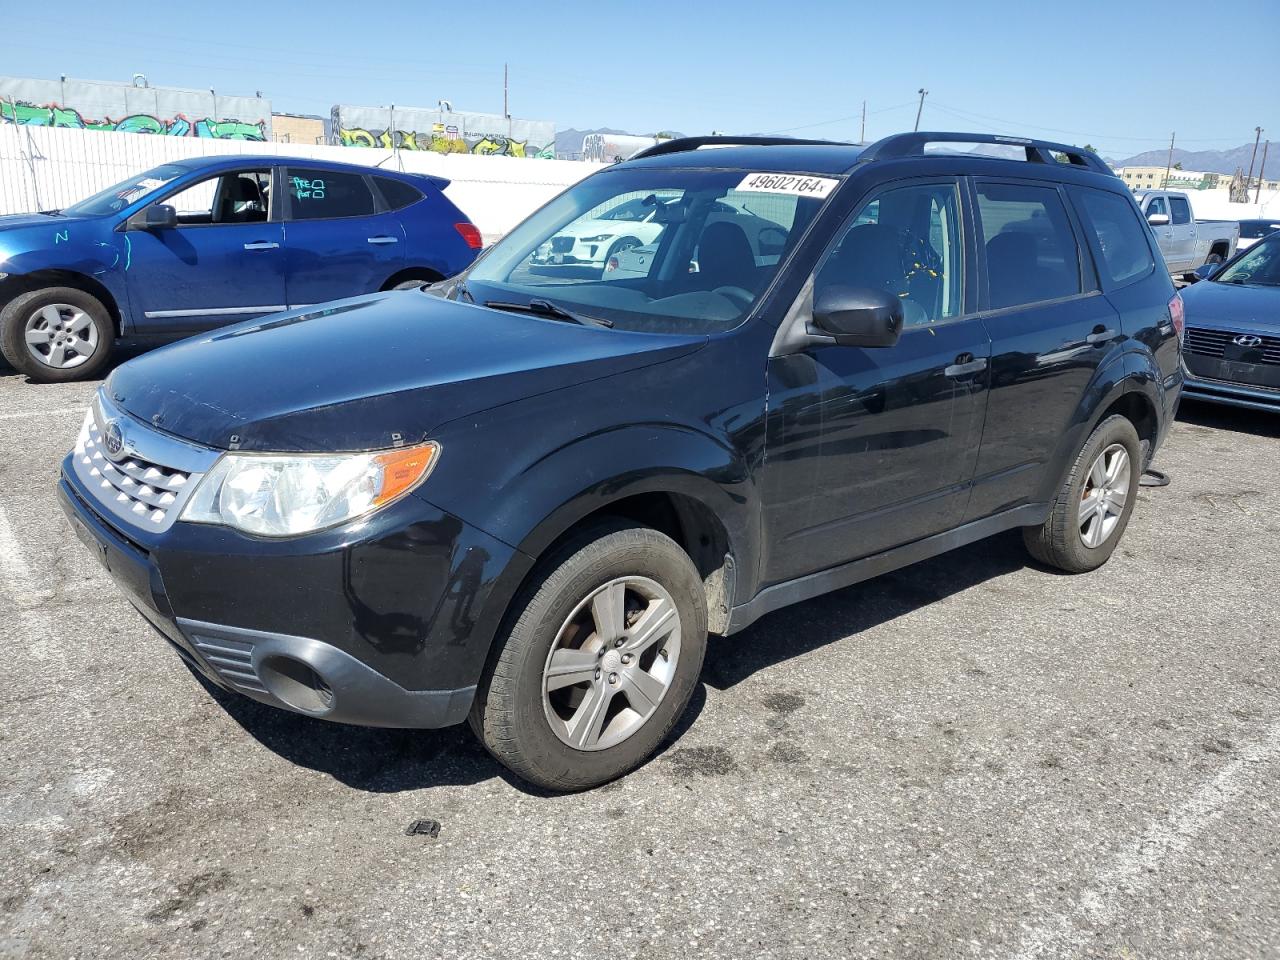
column 1105, row 493
column 612, row 663
column 61, row 336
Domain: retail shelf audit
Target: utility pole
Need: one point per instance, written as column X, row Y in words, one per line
column 506, row 110
column 1169, row 166
column 919, row 110
column 1257, row 194
column 862, row 136
column 1249, row 179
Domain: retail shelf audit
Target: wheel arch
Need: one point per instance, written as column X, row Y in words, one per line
column 17, row 284
column 425, row 273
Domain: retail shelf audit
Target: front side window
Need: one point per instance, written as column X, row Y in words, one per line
column 672, row 250
column 905, row 242
column 1258, row 267
column 327, row 194
column 240, row 197
column 119, row 196
column 1126, row 255
column 1157, row 205
column 1031, row 251
column 1181, row 210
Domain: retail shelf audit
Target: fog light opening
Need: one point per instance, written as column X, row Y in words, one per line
column 296, row 684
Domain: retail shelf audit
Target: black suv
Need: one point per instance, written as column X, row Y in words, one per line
column 525, row 496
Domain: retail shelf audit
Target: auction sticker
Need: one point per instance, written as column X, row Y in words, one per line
column 793, row 184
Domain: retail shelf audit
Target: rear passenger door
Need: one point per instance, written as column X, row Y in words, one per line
column 339, row 241
column 1184, row 233
column 1051, row 329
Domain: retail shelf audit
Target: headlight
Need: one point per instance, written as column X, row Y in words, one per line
column 597, row 239
column 277, row 495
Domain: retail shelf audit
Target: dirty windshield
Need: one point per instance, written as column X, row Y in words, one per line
column 125, row 192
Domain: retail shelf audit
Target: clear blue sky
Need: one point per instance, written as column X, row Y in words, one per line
column 1119, row 75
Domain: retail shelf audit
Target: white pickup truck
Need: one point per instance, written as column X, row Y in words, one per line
column 1186, row 242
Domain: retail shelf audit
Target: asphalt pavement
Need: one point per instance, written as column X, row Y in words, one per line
column 973, row 757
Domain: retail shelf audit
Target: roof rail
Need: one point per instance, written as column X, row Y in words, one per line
column 681, row 144
column 1038, row 151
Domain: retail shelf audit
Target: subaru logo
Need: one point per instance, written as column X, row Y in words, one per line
column 113, row 439
column 1247, row 340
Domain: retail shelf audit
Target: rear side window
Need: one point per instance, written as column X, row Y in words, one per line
column 397, row 193
column 1121, row 236
column 1181, row 210
column 1031, row 249
column 325, row 194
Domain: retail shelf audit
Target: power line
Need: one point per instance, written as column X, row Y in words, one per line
column 825, row 123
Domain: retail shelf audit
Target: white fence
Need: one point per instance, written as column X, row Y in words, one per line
column 43, row 168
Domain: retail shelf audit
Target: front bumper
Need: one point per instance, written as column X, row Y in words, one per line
column 1231, row 394
column 384, row 622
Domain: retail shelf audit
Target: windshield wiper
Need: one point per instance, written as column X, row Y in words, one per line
column 545, row 308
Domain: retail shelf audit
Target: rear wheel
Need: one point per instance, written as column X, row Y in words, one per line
column 56, row 334
column 1094, row 504
column 599, row 659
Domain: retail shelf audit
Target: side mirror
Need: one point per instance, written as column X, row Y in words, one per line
column 858, row 316
column 158, row 216
column 1206, row 271
column 1158, row 219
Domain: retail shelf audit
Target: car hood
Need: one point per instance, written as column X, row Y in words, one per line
column 367, row 373
column 19, row 221
column 1230, row 306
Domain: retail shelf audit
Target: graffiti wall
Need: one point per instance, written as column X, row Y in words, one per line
column 443, row 131
column 166, row 111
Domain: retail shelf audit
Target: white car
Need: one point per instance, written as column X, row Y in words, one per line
column 594, row 240
column 767, row 239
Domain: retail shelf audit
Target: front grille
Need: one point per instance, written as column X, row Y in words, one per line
column 561, row 244
column 144, row 489
column 150, row 477
column 1221, row 343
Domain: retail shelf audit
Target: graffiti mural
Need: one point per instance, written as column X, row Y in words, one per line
column 123, row 108
column 52, row 115
column 410, row 128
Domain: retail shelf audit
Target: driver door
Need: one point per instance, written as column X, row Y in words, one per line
column 224, row 261
column 868, row 449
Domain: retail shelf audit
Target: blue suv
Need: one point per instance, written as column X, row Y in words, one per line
column 195, row 244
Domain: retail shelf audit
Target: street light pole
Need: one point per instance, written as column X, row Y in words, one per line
column 919, row 110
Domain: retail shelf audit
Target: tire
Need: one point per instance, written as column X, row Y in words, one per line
column 1069, row 539
column 77, row 323
column 539, row 734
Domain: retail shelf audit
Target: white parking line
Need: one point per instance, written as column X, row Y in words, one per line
column 1117, row 887
column 24, row 597
column 43, row 413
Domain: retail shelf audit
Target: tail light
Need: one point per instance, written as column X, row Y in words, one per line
column 471, row 234
column 1176, row 313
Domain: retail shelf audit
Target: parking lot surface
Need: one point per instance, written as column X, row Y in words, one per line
column 973, row 757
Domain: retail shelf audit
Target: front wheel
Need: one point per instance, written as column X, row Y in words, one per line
column 1093, row 506
column 599, row 659
column 56, row 334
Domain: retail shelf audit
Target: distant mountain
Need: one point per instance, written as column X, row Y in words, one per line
column 1207, row 161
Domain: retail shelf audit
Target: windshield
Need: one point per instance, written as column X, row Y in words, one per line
column 663, row 250
column 1260, row 266
column 126, row 191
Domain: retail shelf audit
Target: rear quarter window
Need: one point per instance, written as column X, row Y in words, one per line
column 397, row 193
column 1181, row 210
column 1120, row 235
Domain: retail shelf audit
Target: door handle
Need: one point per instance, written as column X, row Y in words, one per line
column 1100, row 336
column 966, row 364
column 262, row 245
column 383, row 240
